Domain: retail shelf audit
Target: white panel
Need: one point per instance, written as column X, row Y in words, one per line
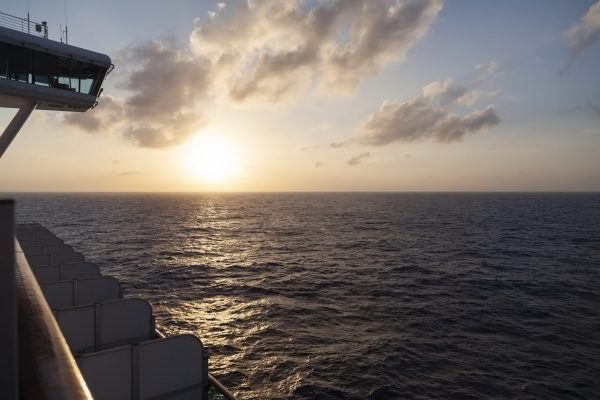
column 95, row 290
column 194, row 394
column 64, row 258
column 32, row 248
column 78, row 327
column 27, row 242
column 124, row 320
column 169, row 364
column 57, row 248
column 47, row 274
column 39, row 259
column 78, row 270
column 58, row 294
column 108, row 373
column 49, row 241
column 42, row 233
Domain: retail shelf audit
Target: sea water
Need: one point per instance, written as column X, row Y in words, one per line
column 360, row 295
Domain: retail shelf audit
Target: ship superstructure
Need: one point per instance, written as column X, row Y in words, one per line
column 68, row 333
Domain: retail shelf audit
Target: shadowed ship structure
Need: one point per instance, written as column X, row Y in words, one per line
column 69, row 333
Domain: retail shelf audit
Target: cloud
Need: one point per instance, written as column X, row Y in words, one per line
column 322, row 127
column 451, row 93
column 586, row 32
column 266, row 49
column 164, row 132
column 594, row 109
column 270, row 49
column 418, row 120
column 164, row 89
column 484, row 71
column 430, row 116
column 356, row 160
column 96, row 120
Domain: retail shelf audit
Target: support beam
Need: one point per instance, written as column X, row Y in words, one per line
column 15, row 125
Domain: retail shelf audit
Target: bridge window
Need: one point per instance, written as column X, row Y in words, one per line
column 43, row 69
column 3, row 60
column 19, row 67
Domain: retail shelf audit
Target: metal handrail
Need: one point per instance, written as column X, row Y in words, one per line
column 24, row 25
column 47, row 370
column 214, row 382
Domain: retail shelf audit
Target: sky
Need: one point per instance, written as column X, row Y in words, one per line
column 322, row 95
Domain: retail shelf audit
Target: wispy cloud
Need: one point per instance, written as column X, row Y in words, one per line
column 308, row 148
column 584, row 34
column 484, row 71
column 587, row 31
column 356, row 160
column 450, row 93
column 418, row 120
column 322, row 127
column 161, row 108
column 265, row 50
column 336, row 145
column 594, row 109
column 430, row 116
column 270, row 49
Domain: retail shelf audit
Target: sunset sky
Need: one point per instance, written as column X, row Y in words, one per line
column 322, row 95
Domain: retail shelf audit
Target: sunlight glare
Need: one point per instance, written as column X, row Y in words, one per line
column 212, row 158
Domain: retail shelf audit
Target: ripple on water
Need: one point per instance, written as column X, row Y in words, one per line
column 360, row 296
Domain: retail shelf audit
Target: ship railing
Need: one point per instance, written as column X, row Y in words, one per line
column 24, row 25
column 46, row 368
column 216, row 390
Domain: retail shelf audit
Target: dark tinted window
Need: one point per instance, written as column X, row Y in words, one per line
column 18, row 63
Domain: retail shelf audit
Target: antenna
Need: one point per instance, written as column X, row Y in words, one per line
column 66, row 25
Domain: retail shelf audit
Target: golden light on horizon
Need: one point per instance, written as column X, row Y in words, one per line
column 213, row 158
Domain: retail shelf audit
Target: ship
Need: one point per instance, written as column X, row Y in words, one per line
column 68, row 331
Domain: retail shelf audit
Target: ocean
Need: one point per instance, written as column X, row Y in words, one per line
column 360, row 295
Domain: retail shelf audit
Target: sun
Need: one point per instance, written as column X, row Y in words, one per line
column 212, row 158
